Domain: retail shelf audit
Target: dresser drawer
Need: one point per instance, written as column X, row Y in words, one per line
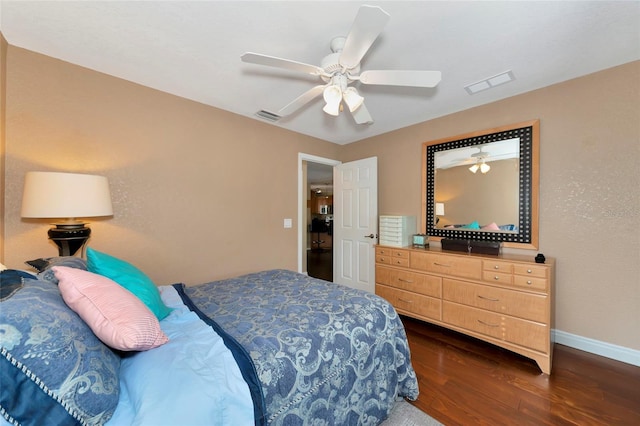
column 497, row 266
column 497, row 277
column 530, row 270
column 530, row 282
column 388, row 260
column 391, row 256
column 528, row 306
column 413, row 303
column 458, row 266
column 388, row 251
column 428, row 285
column 513, row 330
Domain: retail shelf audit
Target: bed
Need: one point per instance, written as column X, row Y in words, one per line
column 273, row 347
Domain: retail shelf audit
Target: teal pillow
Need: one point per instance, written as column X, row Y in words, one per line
column 129, row 277
column 473, row 225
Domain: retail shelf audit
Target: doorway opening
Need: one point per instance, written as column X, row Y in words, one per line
column 315, row 216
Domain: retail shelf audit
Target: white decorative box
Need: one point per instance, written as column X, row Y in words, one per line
column 396, row 231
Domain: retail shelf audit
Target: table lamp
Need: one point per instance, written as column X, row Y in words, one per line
column 66, row 196
column 439, row 211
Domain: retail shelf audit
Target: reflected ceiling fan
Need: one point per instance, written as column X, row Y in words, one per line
column 340, row 69
column 480, row 162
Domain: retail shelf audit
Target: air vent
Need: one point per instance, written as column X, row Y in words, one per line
column 490, row 82
column 269, row 116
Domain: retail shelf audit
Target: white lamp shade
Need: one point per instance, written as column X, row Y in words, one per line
column 439, row 209
column 484, row 167
column 332, row 96
column 352, row 98
column 65, row 195
column 474, row 168
column 332, row 109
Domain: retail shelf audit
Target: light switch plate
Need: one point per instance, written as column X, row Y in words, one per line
column 288, row 223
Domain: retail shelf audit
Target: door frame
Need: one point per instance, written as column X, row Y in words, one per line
column 302, row 199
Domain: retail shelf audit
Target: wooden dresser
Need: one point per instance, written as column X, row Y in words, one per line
column 505, row 300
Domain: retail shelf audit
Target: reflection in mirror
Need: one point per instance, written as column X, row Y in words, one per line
column 478, row 185
column 483, row 186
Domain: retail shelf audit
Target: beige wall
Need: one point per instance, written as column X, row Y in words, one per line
column 485, row 198
column 198, row 193
column 3, row 85
column 589, row 190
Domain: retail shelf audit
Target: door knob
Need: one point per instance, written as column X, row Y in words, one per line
column 370, row 236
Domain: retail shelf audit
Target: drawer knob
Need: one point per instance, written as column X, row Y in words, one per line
column 406, row 301
column 496, row 278
column 405, row 281
column 496, row 267
column 529, row 271
column 441, row 264
column 529, row 282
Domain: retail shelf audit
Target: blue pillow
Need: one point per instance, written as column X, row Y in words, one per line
column 11, row 281
column 129, row 277
column 44, row 265
column 53, row 369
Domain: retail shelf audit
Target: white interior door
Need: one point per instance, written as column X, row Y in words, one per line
column 355, row 207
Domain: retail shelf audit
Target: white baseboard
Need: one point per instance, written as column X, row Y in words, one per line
column 608, row 350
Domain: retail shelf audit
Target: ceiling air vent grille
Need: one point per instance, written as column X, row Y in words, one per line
column 269, row 116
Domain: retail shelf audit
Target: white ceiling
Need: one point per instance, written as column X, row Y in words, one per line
column 192, row 49
column 492, row 151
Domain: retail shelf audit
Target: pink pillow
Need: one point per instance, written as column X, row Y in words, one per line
column 112, row 312
column 491, row 227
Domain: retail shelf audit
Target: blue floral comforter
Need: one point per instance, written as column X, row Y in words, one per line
column 313, row 352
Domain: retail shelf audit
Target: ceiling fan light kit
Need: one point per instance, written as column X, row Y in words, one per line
column 342, row 67
column 483, row 166
column 352, row 98
column 332, row 96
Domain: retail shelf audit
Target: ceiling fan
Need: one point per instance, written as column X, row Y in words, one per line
column 480, row 162
column 342, row 67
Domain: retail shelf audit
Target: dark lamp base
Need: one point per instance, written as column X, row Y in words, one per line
column 69, row 237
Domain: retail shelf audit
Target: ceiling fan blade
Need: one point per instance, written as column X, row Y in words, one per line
column 362, row 116
column 366, row 27
column 272, row 61
column 301, row 100
column 402, row 78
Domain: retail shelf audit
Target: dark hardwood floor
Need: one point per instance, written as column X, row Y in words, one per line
column 464, row 381
column 320, row 263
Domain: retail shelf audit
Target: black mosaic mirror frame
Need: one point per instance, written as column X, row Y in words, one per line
column 524, row 234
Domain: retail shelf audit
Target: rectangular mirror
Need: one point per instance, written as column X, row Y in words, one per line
column 483, row 186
